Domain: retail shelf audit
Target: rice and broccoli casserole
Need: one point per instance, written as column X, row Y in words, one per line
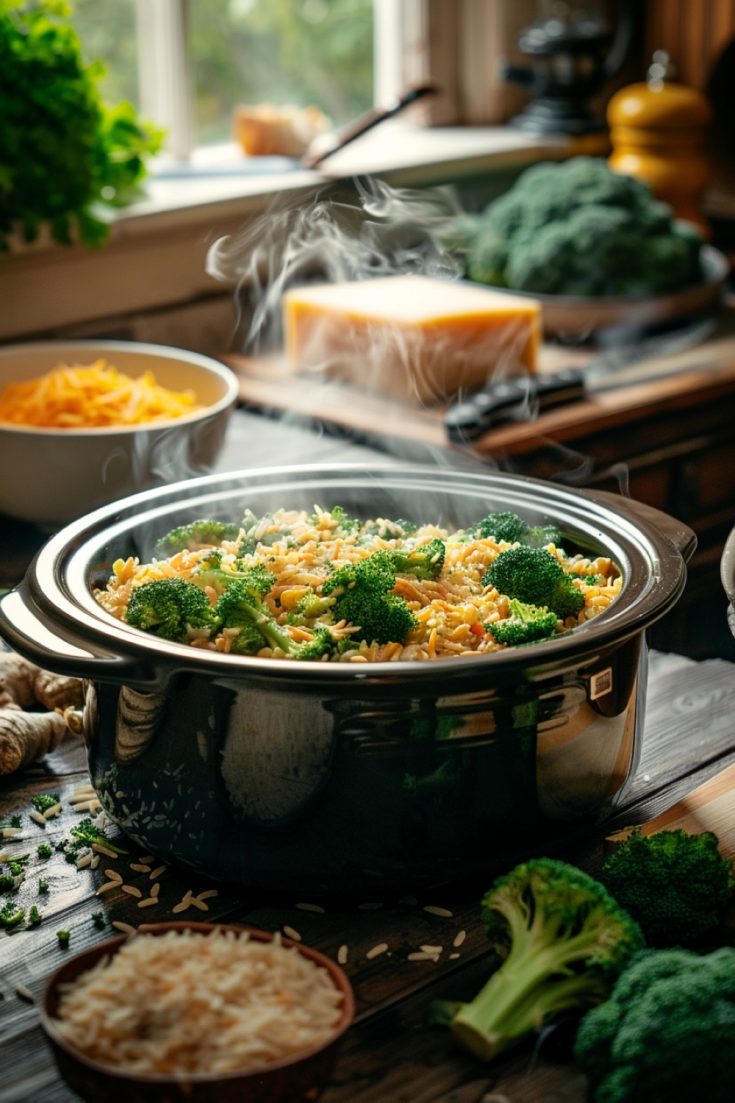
column 326, row 586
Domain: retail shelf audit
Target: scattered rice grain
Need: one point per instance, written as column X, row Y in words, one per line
column 290, row 932
column 306, row 907
column 148, row 902
column 138, row 867
column 419, row 955
column 377, row 950
column 113, row 875
column 453, row 957
column 24, row 993
column 459, row 938
column 156, row 872
column 37, row 817
column 126, row 928
column 342, row 955
column 54, row 810
column 431, row 949
column 107, row 886
column 197, row 903
column 444, row 913
column 132, row 891
column 104, row 850
column 95, row 862
column 84, row 861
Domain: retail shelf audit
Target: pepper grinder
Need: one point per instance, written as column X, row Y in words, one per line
column 658, row 133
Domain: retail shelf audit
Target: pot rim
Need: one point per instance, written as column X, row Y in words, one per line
column 57, row 582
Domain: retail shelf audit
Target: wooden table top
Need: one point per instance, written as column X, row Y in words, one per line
column 390, row 1055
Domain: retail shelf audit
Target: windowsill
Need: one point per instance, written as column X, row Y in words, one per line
column 223, row 180
column 155, row 258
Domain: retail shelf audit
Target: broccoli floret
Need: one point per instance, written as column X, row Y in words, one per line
column 678, row 886
column 43, row 888
column 667, row 1032
column 98, row 918
column 44, row 850
column 322, row 644
column 63, row 937
column 425, row 562
column 512, row 529
column 538, row 536
column 34, row 916
column 361, row 594
column 345, row 523
column 167, row 607
column 198, row 534
column 535, row 577
column 270, row 533
column 84, row 834
column 499, row 526
column 525, row 624
column 240, row 606
column 564, row 941
column 11, row 914
column 43, row 801
column 387, row 529
column 210, row 572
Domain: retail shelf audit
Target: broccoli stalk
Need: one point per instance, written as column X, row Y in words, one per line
column 676, row 885
column 525, row 624
column 535, row 577
column 564, row 941
column 240, row 606
column 667, row 1032
column 198, row 534
column 168, row 607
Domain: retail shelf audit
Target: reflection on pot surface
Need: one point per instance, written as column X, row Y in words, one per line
column 311, row 793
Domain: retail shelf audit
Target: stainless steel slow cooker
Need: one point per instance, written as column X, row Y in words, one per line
column 340, row 777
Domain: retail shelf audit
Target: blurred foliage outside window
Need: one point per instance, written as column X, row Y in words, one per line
column 247, row 51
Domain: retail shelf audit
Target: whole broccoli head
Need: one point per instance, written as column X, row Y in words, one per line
column 535, row 577
column 678, row 886
column 502, row 525
column 667, row 1032
column 564, row 940
column 578, row 228
column 167, row 607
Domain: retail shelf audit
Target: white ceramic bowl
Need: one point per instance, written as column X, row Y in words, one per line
column 52, row 476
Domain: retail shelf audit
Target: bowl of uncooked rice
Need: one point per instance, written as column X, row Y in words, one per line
column 198, row 1011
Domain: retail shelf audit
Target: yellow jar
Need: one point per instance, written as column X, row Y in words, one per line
column 658, row 133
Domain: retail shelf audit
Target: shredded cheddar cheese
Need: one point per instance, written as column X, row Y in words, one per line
column 94, row 396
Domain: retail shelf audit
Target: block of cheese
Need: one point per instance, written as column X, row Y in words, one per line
column 412, row 337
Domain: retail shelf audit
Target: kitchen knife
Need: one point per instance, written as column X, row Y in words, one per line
column 522, row 398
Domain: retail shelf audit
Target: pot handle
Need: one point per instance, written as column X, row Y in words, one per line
column 27, row 634
column 681, row 536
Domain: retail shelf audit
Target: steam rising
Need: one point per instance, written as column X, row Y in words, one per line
column 339, row 236
column 332, row 240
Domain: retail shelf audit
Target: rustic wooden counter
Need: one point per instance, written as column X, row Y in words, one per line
column 390, row 1055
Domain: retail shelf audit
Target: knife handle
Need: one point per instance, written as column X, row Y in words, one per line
column 512, row 400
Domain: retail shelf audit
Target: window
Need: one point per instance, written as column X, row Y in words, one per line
column 187, row 63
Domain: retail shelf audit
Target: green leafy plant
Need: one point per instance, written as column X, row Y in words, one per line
column 67, row 159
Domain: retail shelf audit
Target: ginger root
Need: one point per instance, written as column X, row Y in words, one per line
column 26, row 737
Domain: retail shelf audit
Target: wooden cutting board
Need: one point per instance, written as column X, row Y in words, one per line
column 709, row 807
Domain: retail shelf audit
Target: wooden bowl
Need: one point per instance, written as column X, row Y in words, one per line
column 299, row 1078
